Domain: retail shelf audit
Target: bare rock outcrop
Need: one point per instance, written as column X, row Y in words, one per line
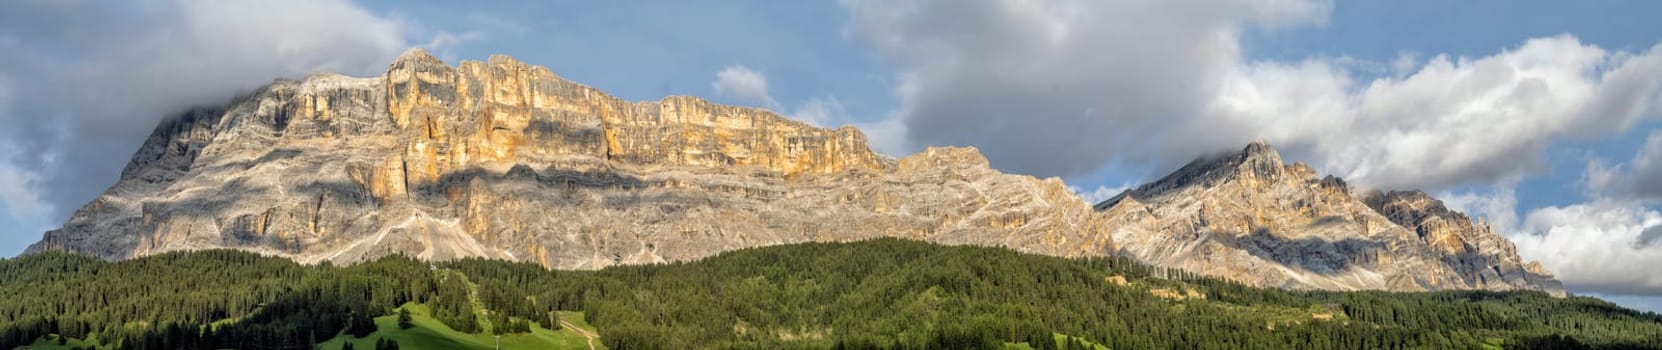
column 1247, row 216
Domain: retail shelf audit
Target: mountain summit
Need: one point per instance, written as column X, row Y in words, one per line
column 1247, row 216
column 505, row 160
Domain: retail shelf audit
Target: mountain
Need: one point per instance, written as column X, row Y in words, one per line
column 1247, row 216
column 504, row 160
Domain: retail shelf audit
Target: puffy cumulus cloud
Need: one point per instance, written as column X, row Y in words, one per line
column 101, row 75
column 1600, row 246
column 1607, row 245
column 1446, row 122
column 743, row 83
column 1065, row 87
column 1604, row 245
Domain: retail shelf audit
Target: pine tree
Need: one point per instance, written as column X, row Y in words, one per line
column 385, row 344
column 404, row 319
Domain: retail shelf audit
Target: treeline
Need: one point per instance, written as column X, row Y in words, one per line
column 882, row 293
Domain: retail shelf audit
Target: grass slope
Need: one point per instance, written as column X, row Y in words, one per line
column 1061, row 342
column 429, row 333
column 51, row 343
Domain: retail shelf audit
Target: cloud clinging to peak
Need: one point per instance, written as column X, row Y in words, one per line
column 101, row 75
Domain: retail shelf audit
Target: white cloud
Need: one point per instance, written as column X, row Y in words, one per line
column 102, row 74
column 742, row 83
column 1499, row 206
column 1065, row 87
column 1452, row 121
column 1101, row 193
column 1609, row 244
column 886, row 136
column 1606, row 246
column 1595, row 246
column 821, row 111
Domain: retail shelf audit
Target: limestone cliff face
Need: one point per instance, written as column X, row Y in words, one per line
column 505, row 160
column 1483, row 259
column 1247, row 216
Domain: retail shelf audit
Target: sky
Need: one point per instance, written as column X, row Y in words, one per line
column 1543, row 118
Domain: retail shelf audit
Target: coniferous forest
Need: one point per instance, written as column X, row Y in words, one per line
column 882, row 293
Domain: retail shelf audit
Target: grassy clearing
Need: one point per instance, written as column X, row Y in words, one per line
column 51, row 343
column 1061, row 340
column 429, row 333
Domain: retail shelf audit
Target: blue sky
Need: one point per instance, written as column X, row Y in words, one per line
column 1536, row 115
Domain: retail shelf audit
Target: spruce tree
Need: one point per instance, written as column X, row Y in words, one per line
column 404, row 320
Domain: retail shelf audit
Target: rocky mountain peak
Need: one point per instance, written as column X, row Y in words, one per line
column 1220, row 213
column 943, row 158
column 415, row 56
column 1260, row 150
column 1260, row 160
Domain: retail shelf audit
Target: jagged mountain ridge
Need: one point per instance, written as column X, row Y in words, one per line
column 1251, row 217
column 506, row 160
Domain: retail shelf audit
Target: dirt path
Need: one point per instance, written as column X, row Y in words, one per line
column 579, row 330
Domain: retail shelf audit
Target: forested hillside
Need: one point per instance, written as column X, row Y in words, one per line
column 882, row 293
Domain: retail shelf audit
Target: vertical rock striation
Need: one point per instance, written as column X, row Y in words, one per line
column 506, row 160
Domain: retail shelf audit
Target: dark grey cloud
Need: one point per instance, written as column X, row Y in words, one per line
column 1062, row 87
column 1651, row 236
column 1636, row 179
column 1646, row 179
column 87, row 81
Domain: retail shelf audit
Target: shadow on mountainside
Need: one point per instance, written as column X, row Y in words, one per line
column 1321, row 256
